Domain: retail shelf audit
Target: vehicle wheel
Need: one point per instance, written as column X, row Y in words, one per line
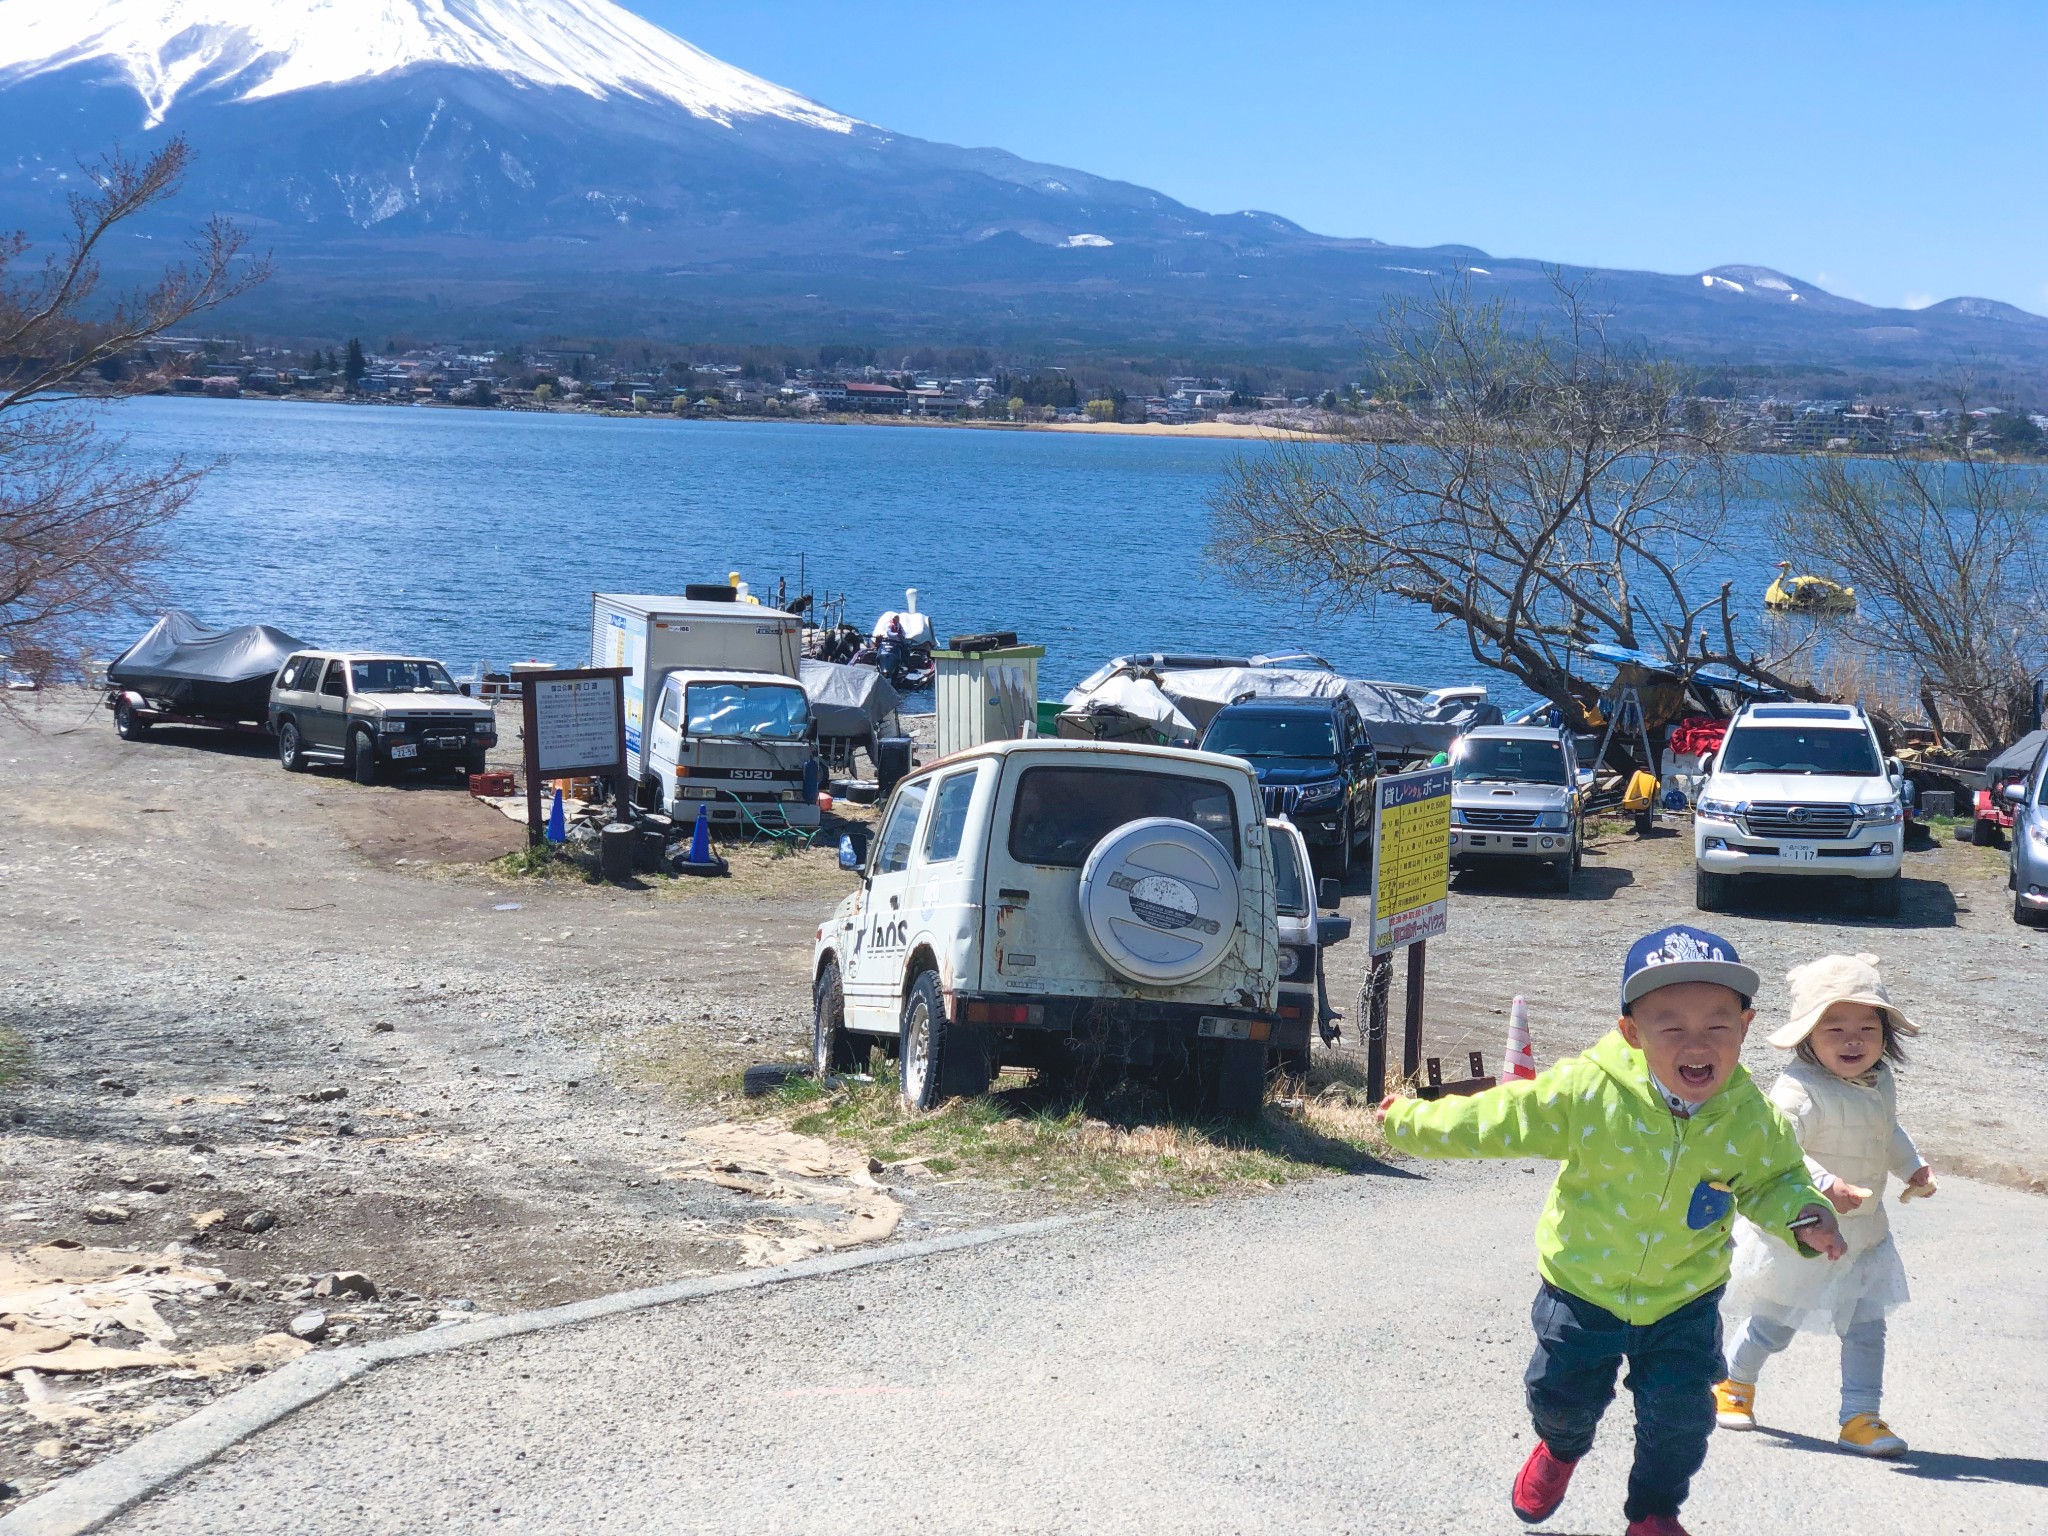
column 1710, row 892
column 923, row 1040
column 1578, row 856
column 1292, row 1060
column 362, row 757
column 291, row 748
column 2027, row 918
column 834, row 1049
column 128, row 725
column 1233, row 1077
column 1561, row 875
column 1882, row 899
column 478, row 761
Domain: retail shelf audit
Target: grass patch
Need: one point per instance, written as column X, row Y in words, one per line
column 1120, row 1140
column 540, row 861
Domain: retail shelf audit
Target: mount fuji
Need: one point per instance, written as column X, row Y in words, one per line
column 513, row 167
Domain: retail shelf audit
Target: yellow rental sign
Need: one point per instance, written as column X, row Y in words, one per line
column 1411, row 858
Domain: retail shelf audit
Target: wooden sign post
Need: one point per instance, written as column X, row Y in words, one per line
column 574, row 722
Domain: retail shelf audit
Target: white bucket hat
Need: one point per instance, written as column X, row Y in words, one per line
column 1818, row 984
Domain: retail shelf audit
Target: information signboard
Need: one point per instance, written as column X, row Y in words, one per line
column 1411, row 858
column 575, row 723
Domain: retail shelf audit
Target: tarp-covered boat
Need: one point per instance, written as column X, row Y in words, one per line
column 847, row 702
column 182, row 667
column 1404, row 722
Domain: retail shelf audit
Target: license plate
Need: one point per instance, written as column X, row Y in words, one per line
column 1799, row 853
column 1214, row 1028
column 405, row 749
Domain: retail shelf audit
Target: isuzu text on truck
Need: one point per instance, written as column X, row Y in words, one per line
column 715, row 714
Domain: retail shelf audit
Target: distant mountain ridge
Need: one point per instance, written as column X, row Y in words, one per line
column 507, row 167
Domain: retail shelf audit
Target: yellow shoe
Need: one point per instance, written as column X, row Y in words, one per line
column 1735, row 1404
column 1868, row 1435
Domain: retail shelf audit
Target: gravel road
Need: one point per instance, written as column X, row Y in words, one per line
column 1343, row 1356
column 289, row 999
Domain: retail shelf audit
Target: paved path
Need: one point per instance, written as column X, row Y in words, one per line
column 1343, row 1356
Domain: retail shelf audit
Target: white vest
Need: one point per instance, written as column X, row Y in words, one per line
column 1849, row 1129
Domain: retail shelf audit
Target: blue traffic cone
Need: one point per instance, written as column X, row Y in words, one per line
column 700, row 838
column 558, row 828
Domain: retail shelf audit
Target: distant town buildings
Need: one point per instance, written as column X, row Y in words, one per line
column 567, row 377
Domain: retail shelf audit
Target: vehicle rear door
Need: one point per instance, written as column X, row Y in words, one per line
column 327, row 721
column 296, row 691
column 874, row 974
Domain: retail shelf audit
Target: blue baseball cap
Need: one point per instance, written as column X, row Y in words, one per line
column 1678, row 953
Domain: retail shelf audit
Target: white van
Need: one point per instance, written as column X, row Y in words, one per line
column 1058, row 905
column 1800, row 789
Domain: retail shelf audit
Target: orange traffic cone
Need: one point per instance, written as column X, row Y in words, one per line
column 1521, row 1057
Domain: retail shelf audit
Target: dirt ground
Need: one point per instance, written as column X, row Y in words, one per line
column 335, row 1038
column 311, row 1008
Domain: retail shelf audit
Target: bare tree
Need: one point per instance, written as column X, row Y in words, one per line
column 1949, row 558
column 79, row 527
column 1531, row 482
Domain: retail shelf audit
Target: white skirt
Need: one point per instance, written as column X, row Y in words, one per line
column 1768, row 1279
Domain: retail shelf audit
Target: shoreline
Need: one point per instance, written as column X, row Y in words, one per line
column 1210, row 430
column 1203, row 429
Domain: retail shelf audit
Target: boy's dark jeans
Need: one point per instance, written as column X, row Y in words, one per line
column 1673, row 1364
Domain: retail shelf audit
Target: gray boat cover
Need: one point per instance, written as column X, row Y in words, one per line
column 224, row 672
column 2017, row 758
column 847, row 701
column 1402, row 724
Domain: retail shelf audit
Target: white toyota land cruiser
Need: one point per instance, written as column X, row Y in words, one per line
column 1801, row 789
column 1053, row 904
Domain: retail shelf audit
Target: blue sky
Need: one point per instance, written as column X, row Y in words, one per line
column 1896, row 154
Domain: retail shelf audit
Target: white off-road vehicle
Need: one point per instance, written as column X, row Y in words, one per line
column 1801, row 789
column 1058, row 904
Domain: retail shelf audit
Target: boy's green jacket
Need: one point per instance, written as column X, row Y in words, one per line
column 1639, row 1219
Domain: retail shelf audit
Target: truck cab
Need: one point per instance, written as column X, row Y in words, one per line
column 1061, row 905
column 740, row 742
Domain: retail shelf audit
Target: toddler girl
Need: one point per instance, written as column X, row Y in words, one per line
column 1839, row 1095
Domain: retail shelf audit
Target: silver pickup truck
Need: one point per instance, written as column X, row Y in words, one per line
column 1517, row 793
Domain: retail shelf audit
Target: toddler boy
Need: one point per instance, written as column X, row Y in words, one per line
column 1662, row 1137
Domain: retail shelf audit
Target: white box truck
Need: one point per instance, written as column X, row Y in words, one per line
column 715, row 714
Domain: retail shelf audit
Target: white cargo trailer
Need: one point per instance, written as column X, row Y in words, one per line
column 715, row 710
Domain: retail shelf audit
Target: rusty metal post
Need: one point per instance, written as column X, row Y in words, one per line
column 1411, row 1039
column 1372, row 1002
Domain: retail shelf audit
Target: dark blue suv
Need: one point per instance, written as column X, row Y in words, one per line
column 1316, row 765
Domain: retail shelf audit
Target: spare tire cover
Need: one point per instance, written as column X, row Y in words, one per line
column 1159, row 900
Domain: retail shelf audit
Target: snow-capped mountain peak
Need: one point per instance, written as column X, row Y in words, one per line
column 252, row 49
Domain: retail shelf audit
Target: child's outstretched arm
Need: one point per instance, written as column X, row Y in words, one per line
column 1779, row 1191
column 1529, row 1118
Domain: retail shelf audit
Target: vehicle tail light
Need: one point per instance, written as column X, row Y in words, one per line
column 1004, row 1013
column 1290, row 1011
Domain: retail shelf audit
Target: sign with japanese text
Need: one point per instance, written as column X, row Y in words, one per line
column 1411, row 858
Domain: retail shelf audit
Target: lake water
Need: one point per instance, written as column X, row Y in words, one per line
column 481, row 535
